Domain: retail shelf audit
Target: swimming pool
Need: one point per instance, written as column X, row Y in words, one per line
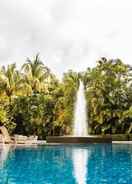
column 73, row 164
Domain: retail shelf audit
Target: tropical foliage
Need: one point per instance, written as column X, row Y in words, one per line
column 34, row 101
column 109, row 97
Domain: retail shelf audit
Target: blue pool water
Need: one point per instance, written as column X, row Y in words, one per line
column 82, row 164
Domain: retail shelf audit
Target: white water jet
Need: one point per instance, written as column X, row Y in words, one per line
column 80, row 127
column 80, row 161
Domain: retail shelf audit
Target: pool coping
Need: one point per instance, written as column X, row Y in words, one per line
column 44, row 143
column 121, row 142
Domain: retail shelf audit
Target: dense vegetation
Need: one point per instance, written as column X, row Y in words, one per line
column 34, row 101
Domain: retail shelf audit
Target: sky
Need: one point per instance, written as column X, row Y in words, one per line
column 68, row 34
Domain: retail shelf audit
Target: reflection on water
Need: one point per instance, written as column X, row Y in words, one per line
column 75, row 164
column 80, row 159
column 4, row 151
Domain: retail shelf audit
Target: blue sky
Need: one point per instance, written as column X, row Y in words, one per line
column 68, row 34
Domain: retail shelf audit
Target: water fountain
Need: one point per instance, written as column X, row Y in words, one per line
column 80, row 125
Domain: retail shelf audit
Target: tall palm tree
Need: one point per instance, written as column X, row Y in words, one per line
column 35, row 73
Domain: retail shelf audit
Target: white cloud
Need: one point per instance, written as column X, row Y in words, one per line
column 68, row 34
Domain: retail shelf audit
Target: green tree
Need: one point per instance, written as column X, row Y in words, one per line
column 10, row 81
column 107, row 85
column 35, row 74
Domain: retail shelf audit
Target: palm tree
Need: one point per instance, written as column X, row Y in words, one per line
column 10, row 81
column 71, row 80
column 35, row 73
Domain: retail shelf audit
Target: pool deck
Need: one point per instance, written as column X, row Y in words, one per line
column 121, row 142
column 45, row 143
column 60, row 144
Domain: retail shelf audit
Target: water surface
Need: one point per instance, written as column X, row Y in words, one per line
column 76, row 164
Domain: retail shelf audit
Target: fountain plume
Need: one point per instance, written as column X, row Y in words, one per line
column 80, row 127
